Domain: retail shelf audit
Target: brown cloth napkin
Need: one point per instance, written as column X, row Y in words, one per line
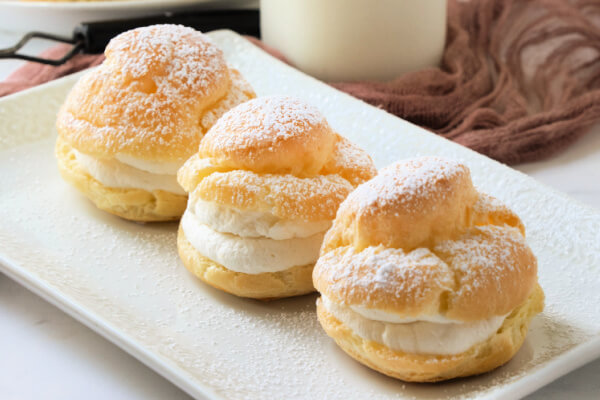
column 33, row 74
column 519, row 79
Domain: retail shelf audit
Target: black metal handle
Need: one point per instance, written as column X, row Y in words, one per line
column 13, row 51
column 96, row 35
column 92, row 37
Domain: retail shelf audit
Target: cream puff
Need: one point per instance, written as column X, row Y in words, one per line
column 424, row 278
column 264, row 187
column 129, row 125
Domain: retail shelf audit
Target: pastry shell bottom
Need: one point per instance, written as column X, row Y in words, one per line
column 480, row 358
column 294, row 281
column 132, row 204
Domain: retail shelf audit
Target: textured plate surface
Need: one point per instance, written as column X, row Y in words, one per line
column 125, row 280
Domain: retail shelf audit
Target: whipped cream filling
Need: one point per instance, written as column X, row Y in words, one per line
column 249, row 255
column 384, row 316
column 419, row 337
column 161, row 168
column 253, row 224
column 129, row 172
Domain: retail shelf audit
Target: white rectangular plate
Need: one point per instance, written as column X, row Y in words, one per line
column 125, row 280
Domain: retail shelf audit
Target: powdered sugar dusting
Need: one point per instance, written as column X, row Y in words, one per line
column 128, row 276
column 376, row 273
column 481, row 262
column 148, row 97
column 286, row 196
column 347, row 153
column 240, row 92
column 268, row 118
column 172, row 55
column 305, row 178
column 406, row 182
column 489, row 262
column 487, row 247
column 486, row 203
column 351, row 162
column 490, row 257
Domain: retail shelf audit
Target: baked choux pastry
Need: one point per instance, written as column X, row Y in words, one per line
column 264, row 187
column 129, row 125
column 423, row 278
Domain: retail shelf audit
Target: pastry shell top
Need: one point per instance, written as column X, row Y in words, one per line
column 276, row 154
column 158, row 91
column 420, row 240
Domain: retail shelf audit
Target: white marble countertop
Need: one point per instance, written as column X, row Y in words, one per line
column 46, row 354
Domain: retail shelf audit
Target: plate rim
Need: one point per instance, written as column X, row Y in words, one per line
column 104, row 328
column 572, row 359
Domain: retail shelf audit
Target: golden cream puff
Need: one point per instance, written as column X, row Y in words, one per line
column 423, row 278
column 129, row 125
column 264, row 187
